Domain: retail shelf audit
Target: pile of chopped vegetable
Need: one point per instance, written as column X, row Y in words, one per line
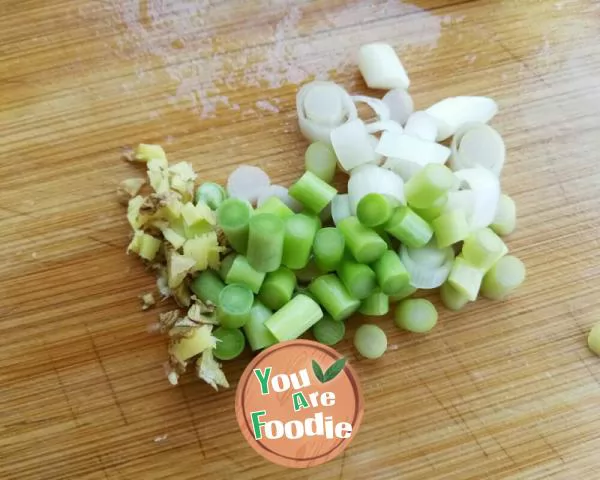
column 255, row 263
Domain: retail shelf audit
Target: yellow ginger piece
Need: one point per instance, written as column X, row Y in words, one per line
column 200, row 248
column 181, row 179
column 209, row 370
column 147, row 301
column 196, row 341
column 197, row 214
column 129, row 188
column 182, row 295
column 178, row 266
column 135, row 218
column 158, row 175
column 145, row 152
column 173, row 237
column 146, row 246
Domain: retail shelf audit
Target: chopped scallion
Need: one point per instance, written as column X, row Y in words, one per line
column 294, row 318
column 416, row 315
column 257, row 334
column 278, row 287
column 409, row 228
column 450, row 228
column 364, row 243
column 230, row 343
column 375, row 209
column 430, row 183
column 328, row 248
column 330, row 292
column 375, row 305
column 328, row 331
column 236, row 269
column 507, row 274
column 370, row 341
column 320, row 159
column 391, row 273
column 233, row 216
column 300, row 231
column 234, row 305
column 265, row 242
column 312, row 192
column 465, row 278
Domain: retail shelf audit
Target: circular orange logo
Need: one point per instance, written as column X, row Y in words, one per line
column 299, row 403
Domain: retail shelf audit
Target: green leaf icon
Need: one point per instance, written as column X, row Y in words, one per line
column 334, row 370
column 318, row 371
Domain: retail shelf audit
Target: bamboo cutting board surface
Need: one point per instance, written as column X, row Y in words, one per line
column 500, row 390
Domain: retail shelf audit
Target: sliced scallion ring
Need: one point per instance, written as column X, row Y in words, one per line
column 453, row 112
column 413, row 149
column 477, row 144
column 486, row 189
column 384, row 126
column 422, row 125
column 321, row 107
column 428, row 266
column 373, row 179
column 400, row 103
column 382, row 111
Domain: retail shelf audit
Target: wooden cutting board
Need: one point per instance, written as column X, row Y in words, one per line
column 499, row 390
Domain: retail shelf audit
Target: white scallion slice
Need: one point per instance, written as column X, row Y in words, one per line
column 505, row 220
column 282, row 193
column 373, row 179
column 453, row 112
column 428, row 266
column 477, row 144
column 421, row 124
column 381, row 68
column 460, row 200
column 400, row 103
column 247, row 182
column 382, row 111
column 377, row 158
column 405, row 168
column 413, row 149
column 352, row 145
column 384, row 126
column 322, row 106
column 486, row 188
column 340, row 208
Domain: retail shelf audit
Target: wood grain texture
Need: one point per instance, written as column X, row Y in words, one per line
column 501, row 390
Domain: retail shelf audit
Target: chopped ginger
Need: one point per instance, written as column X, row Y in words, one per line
column 146, row 152
column 209, row 370
column 129, row 188
column 182, row 178
column 149, row 247
column 167, row 320
column 133, row 212
column 184, row 170
column 178, row 266
column 182, row 295
column 158, row 175
column 147, row 301
column 173, row 207
column 201, row 313
column 177, row 238
column 173, row 238
column 197, row 214
column 162, row 283
column 198, row 340
column 146, row 246
column 197, row 248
